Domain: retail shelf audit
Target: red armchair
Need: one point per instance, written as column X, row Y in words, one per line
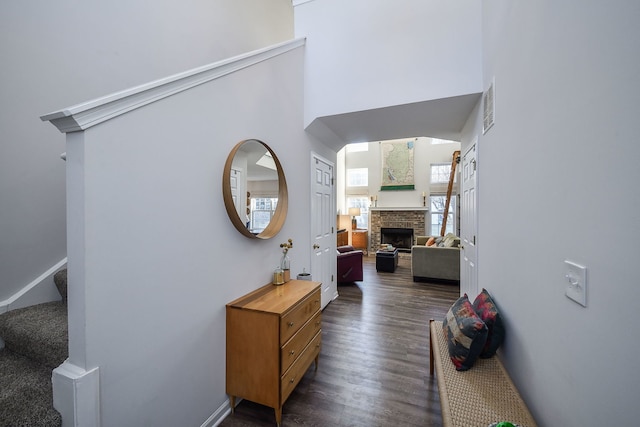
column 349, row 264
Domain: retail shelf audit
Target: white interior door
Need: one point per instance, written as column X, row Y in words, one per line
column 238, row 191
column 323, row 256
column 468, row 260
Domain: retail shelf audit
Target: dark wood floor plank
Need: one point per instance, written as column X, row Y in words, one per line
column 374, row 363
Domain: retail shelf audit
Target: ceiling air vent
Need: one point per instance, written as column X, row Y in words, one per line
column 489, row 107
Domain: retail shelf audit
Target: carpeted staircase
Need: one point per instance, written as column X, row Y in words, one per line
column 36, row 342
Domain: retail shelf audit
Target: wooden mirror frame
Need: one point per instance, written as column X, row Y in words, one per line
column 277, row 221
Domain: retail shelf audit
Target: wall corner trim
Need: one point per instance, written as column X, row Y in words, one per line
column 85, row 115
column 76, row 395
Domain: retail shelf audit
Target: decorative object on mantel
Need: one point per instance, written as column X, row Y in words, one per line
column 424, row 199
column 354, row 212
column 397, row 165
column 374, row 200
column 285, row 262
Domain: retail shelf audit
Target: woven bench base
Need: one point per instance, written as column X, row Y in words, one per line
column 478, row 397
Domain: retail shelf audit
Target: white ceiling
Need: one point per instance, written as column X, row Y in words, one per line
column 440, row 118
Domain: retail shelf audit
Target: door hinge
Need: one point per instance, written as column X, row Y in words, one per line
column 331, row 230
column 332, row 278
column 332, row 181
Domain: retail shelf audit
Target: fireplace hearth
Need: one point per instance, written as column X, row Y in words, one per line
column 401, row 238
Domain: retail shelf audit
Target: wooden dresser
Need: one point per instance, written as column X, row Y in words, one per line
column 273, row 336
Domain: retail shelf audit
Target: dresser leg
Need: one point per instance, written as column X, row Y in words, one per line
column 278, row 415
column 232, row 401
column 316, row 362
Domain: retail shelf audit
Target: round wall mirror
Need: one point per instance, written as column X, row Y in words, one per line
column 255, row 190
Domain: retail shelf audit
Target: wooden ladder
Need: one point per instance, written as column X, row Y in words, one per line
column 454, row 162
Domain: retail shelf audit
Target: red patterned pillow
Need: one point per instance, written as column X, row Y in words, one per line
column 465, row 333
column 487, row 310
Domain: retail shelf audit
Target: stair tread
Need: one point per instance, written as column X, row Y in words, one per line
column 39, row 332
column 25, row 392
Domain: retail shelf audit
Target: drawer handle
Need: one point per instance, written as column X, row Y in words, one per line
column 290, row 324
column 317, row 323
column 292, row 352
column 292, row 380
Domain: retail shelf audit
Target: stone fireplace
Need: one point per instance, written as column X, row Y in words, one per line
column 411, row 220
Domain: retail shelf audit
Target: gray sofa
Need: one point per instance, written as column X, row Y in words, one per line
column 433, row 262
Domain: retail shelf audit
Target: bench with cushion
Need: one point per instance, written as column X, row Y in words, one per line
column 477, row 397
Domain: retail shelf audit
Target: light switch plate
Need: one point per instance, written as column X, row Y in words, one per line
column 576, row 280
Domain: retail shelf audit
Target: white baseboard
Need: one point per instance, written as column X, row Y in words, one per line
column 42, row 289
column 218, row 416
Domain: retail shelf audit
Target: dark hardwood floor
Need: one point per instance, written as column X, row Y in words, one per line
column 374, row 363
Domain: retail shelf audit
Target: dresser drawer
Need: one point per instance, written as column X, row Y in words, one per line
column 293, row 348
column 292, row 377
column 292, row 321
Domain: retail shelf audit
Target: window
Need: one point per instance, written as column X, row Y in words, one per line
column 440, row 173
column 358, row 177
column 262, row 209
column 437, row 203
column 361, row 202
column 359, row 146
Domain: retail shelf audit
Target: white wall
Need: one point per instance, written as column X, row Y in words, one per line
column 64, row 52
column 557, row 181
column 160, row 258
column 365, row 54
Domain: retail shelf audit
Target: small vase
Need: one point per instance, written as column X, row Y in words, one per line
column 278, row 276
column 285, row 265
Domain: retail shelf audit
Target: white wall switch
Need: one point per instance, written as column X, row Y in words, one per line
column 576, row 280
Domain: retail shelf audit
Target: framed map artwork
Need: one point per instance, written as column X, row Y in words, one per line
column 397, row 165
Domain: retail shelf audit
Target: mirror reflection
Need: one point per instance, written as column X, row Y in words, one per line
column 255, row 189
